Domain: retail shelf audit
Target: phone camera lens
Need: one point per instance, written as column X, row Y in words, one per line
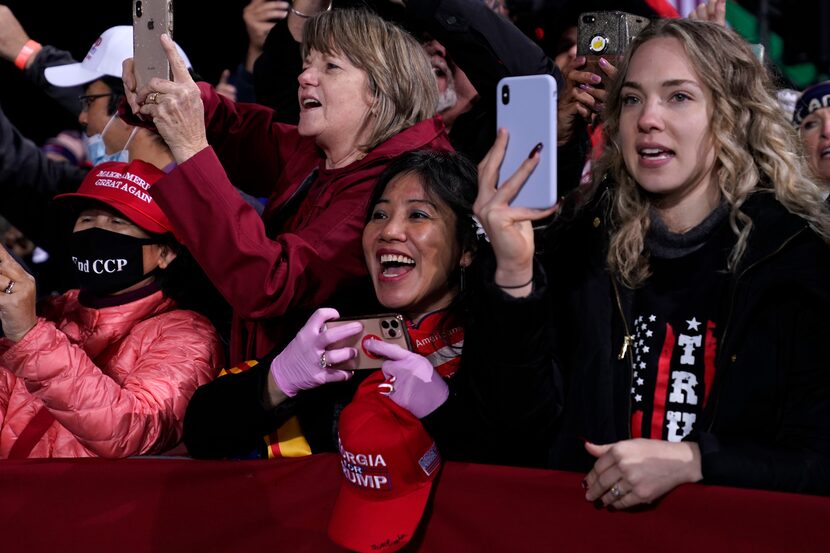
column 384, row 324
column 138, row 10
column 588, row 19
column 393, row 333
column 505, row 95
column 393, row 323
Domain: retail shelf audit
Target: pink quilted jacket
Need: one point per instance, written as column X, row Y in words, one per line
column 116, row 379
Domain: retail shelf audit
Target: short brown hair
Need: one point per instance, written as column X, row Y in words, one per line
column 399, row 73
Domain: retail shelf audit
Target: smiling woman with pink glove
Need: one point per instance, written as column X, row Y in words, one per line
column 418, row 242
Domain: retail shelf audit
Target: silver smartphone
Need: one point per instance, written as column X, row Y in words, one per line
column 151, row 19
column 388, row 327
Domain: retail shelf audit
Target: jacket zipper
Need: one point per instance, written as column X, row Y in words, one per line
column 721, row 353
column 625, row 351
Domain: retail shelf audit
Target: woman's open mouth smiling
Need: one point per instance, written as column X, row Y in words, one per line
column 395, row 265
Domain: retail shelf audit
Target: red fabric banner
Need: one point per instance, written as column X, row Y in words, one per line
column 160, row 505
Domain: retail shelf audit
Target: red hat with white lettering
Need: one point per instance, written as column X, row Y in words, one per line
column 126, row 188
column 389, row 463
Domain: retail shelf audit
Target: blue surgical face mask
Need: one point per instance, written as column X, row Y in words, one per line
column 96, row 150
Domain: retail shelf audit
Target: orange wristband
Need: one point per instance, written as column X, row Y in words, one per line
column 29, row 49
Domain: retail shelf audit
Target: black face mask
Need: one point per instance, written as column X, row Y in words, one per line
column 106, row 262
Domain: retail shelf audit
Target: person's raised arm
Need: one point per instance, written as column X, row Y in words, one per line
column 175, row 107
column 713, row 11
column 515, row 382
column 15, row 45
column 485, row 45
column 509, row 228
column 300, row 11
column 260, row 17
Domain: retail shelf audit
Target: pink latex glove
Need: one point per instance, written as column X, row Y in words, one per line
column 299, row 367
column 418, row 387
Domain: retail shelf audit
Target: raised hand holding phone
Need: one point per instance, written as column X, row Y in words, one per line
column 509, row 228
column 606, row 35
column 175, row 107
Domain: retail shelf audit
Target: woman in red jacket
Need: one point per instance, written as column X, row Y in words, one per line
column 367, row 95
column 108, row 369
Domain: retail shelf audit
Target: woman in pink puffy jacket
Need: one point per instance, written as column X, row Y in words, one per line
column 106, row 370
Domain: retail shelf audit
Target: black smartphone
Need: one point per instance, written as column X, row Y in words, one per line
column 606, row 35
column 388, row 327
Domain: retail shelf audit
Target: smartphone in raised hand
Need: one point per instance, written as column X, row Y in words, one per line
column 607, row 35
column 151, row 19
column 526, row 107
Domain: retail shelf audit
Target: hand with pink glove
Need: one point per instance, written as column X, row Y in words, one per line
column 306, row 362
column 416, row 385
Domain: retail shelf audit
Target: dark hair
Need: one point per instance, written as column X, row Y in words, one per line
column 185, row 282
column 116, row 86
column 446, row 176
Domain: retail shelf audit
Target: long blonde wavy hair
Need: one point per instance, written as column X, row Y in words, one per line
column 756, row 147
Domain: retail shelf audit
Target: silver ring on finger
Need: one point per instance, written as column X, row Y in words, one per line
column 323, row 362
column 9, row 288
column 615, row 491
column 386, row 388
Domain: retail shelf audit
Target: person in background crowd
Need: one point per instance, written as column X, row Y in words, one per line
column 812, row 117
column 565, row 50
column 67, row 146
column 108, row 369
column 418, row 241
column 33, row 176
column 682, row 338
column 109, row 137
column 367, row 95
column 259, row 17
column 470, row 46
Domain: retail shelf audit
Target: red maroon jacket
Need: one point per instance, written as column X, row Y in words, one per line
column 297, row 263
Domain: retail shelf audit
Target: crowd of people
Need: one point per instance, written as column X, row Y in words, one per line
column 662, row 324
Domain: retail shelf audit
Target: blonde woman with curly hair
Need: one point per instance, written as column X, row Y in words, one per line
column 673, row 328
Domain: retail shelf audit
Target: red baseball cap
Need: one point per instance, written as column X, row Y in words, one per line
column 389, row 463
column 125, row 187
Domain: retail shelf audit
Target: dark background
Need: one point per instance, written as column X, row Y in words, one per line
column 213, row 35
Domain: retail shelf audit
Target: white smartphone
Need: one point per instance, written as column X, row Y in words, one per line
column 151, row 19
column 526, row 107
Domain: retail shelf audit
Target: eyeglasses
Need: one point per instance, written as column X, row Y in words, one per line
column 86, row 100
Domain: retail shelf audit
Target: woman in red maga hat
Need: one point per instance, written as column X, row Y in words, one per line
column 107, row 369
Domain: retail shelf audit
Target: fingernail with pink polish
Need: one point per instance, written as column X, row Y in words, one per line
column 596, row 78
